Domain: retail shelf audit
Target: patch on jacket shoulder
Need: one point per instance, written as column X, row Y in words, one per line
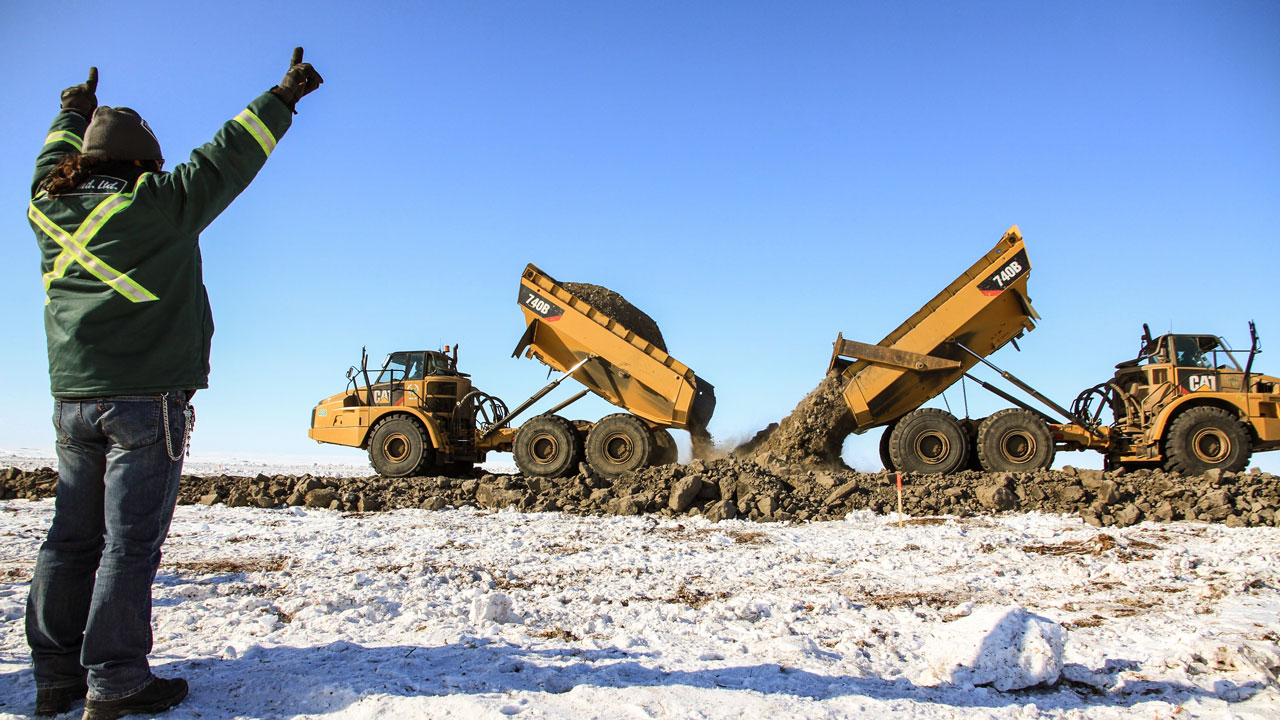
column 100, row 185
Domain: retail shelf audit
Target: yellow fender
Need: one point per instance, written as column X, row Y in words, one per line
column 439, row 438
column 1226, row 401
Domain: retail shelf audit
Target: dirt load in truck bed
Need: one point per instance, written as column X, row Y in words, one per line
column 615, row 306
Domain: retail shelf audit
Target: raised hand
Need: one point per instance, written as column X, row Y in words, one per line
column 82, row 99
column 300, row 80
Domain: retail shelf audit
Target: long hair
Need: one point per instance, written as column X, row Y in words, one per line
column 71, row 171
column 75, row 168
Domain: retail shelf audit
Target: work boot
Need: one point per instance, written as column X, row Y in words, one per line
column 55, row 701
column 160, row 695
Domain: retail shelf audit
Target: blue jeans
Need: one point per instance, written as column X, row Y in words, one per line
column 89, row 609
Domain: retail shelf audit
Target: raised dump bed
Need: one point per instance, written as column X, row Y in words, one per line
column 885, row 384
column 621, row 366
column 982, row 310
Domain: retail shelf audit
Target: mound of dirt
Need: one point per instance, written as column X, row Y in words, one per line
column 615, row 306
column 811, row 437
column 740, row 488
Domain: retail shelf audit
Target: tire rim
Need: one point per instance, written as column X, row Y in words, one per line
column 617, row 448
column 396, row 448
column 933, row 447
column 1017, row 446
column 1211, row 445
column 544, row 448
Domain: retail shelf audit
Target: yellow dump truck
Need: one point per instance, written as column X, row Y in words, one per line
column 420, row 415
column 628, row 370
column 1187, row 412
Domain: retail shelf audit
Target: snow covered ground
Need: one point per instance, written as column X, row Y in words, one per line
column 471, row 614
column 223, row 464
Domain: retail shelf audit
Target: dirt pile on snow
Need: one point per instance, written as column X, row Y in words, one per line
column 811, row 437
column 615, row 306
column 739, row 488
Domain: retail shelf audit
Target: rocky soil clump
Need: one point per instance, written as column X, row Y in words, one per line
column 740, row 488
column 615, row 306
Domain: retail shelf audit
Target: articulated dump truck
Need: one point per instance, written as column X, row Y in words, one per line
column 421, row 415
column 1185, row 403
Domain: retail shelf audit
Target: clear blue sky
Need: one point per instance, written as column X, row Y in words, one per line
column 757, row 176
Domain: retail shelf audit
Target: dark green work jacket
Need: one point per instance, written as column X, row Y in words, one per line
column 126, row 310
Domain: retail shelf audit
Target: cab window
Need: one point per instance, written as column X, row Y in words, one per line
column 440, row 364
column 1188, row 353
column 402, row 366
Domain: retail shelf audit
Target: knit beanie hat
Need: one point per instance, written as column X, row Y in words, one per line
column 120, row 134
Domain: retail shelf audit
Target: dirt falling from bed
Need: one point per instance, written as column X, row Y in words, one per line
column 811, row 437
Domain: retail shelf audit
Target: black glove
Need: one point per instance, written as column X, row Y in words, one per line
column 300, row 80
column 81, row 99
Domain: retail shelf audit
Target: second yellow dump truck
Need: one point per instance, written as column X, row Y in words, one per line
column 420, row 415
column 1186, row 403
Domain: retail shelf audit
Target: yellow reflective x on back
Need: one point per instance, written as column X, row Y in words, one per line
column 74, row 247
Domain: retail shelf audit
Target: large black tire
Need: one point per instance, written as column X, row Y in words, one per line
column 399, row 447
column 1206, row 438
column 885, row 459
column 1015, row 440
column 928, row 440
column 620, row 444
column 547, row 446
column 665, row 452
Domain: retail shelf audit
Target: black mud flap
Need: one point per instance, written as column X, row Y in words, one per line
column 704, row 404
column 525, row 339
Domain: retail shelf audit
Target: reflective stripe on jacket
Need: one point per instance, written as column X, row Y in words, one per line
column 126, row 309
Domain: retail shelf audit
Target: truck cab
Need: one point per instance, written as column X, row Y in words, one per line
column 1177, row 372
column 415, row 412
column 1168, row 367
column 420, row 378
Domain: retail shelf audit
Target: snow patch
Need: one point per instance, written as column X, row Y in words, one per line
column 1006, row 647
column 493, row 608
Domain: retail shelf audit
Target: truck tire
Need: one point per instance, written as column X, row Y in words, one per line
column 399, row 447
column 619, row 444
column 665, row 452
column 928, row 440
column 547, row 446
column 884, row 448
column 1015, row 440
column 1206, row 438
